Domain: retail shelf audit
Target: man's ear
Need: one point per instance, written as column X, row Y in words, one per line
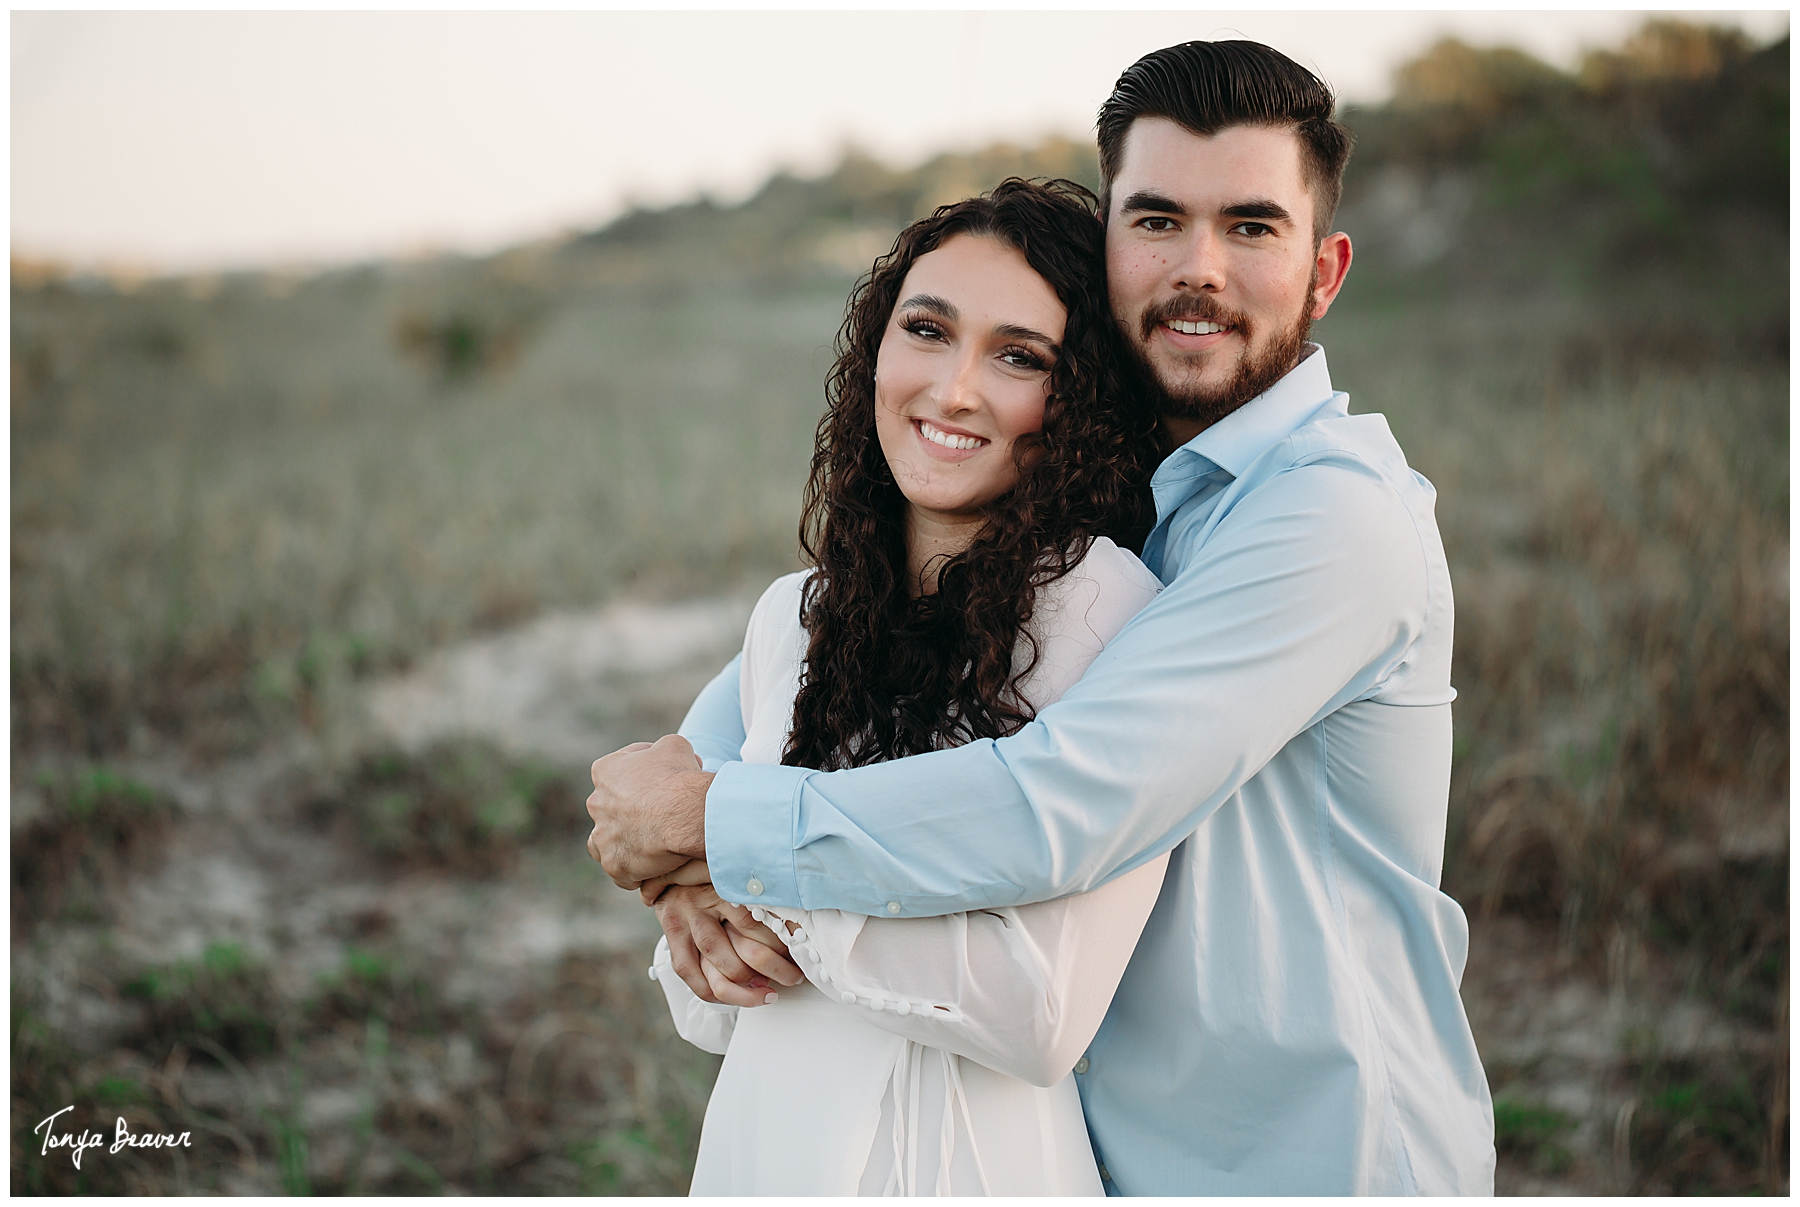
column 1332, row 266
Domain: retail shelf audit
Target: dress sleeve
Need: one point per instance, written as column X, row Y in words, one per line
column 1021, row 989
column 706, row 1025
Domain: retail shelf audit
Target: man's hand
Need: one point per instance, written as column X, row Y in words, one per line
column 694, row 871
column 721, row 952
column 649, row 810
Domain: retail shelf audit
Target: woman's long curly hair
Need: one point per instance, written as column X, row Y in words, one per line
column 888, row 674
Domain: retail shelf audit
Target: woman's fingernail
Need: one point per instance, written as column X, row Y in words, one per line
column 771, row 999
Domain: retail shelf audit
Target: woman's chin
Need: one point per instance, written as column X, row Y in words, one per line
column 949, row 511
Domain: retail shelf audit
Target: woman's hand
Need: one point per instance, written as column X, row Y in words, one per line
column 721, row 952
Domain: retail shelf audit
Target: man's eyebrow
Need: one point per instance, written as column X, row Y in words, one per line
column 932, row 302
column 1145, row 200
column 1014, row 331
column 1260, row 208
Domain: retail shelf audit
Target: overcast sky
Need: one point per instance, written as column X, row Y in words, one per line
column 181, row 141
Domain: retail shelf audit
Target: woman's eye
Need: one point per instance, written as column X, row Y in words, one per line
column 924, row 329
column 1019, row 358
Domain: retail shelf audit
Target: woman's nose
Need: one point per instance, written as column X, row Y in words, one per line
column 958, row 387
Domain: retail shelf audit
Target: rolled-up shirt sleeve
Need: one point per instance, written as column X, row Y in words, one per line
column 1307, row 595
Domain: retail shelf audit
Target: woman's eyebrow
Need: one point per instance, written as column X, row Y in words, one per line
column 930, row 301
column 1014, row 331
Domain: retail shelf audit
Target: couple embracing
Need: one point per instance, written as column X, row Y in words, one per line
column 1075, row 824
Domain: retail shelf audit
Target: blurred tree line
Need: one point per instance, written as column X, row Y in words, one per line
column 1667, row 155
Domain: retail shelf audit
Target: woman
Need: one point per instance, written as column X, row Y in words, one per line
column 974, row 476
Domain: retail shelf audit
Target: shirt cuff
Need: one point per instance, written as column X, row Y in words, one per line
column 751, row 819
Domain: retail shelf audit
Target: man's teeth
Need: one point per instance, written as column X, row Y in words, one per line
column 938, row 435
column 1192, row 328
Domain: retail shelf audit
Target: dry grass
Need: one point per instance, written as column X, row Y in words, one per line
column 90, row 827
column 1617, row 530
column 376, row 1074
column 372, row 1084
column 458, row 807
column 257, row 529
column 1616, row 521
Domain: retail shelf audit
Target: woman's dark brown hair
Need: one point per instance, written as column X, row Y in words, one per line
column 888, row 674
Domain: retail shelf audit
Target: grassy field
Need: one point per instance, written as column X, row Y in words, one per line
column 237, row 501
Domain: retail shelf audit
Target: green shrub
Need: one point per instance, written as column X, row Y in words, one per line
column 223, row 1000
column 1532, row 1132
column 460, row 805
column 92, row 826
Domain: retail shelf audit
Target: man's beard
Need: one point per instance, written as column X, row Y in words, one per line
column 1256, row 371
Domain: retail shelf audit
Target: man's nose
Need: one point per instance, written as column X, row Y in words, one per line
column 1200, row 268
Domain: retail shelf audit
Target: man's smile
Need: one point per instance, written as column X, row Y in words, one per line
column 1193, row 335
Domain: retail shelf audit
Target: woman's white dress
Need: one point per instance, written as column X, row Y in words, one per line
column 914, row 1038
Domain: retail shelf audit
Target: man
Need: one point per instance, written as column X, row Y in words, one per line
column 1279, row 716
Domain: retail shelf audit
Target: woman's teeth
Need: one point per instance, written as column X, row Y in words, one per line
column 1192, row 328
column 938, row 435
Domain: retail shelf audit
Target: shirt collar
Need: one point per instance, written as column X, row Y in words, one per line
column 1237, row 440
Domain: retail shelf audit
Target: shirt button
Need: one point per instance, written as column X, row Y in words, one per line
column 1081, row 1066
column 893, row 907
column 653, row 972
column 754, row 887
column 1104, row 1176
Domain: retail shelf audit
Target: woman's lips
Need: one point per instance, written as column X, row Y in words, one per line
column 947, row 443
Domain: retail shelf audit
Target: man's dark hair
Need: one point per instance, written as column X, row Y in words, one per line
column 1206, row 87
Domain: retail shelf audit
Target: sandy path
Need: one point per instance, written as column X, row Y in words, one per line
column 564, row 685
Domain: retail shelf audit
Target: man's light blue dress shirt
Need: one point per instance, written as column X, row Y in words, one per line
column 1280, row 716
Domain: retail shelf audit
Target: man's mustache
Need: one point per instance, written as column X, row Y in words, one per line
column 1193, row 308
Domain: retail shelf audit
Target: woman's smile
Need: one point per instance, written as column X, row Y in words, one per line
column 948, row 443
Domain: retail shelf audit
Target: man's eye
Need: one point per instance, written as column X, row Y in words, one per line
column 1254, row 230
column 1158, row 224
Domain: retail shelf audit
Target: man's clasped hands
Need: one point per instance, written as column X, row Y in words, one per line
column 649, row 813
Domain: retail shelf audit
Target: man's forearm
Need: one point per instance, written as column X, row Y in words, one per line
column 1277, row 625
column 684, row 829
